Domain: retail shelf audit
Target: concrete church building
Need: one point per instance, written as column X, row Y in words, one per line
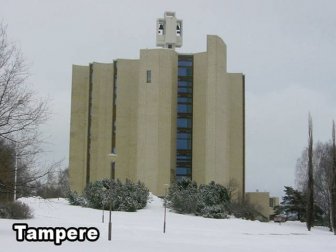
column 162, row 117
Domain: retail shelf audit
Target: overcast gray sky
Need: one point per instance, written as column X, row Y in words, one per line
column 286, row 49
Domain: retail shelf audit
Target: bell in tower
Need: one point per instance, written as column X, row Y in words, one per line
column 161, row 29
column 178, row 29
column 169, row 31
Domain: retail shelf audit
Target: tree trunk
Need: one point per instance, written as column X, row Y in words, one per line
column 310, row 188
column 333, row 182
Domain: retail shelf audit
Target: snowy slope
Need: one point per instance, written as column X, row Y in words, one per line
column 142, row 231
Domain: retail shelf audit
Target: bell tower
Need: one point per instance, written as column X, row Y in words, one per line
column 169, row 32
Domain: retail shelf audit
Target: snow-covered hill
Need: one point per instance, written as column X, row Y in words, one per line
column 143, row 231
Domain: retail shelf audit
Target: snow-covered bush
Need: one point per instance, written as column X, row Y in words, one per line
column 246, row 211
column 15, row 210
column 214, row 200
column 183, row 196
column 215, row 211
column 77, row 200
column 96, row 193
column 100, row 194
column 209, row 201
column 137, row 192
column 213, row 194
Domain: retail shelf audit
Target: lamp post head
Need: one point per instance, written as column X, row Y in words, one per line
column 112, row 156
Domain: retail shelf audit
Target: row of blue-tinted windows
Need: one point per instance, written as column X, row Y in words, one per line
column 184, row 99
column 183, row 135
column 184, row 108
column 186, row 157
column 183, row 122
column 183, row 171
column 186, row 164
column 185, row 71
column 184, row 83
column 185, row 63
column 187, row 90
column 183, row 144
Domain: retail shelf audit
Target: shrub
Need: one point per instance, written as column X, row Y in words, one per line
column 246, row 211
column 210, row 201
column 137, row 193
column 15, row 210
column 214, row 194
column 216, row 212
column 183, row 197
column 4, row 212
column 76, row 200
column 95, row 193
column 46, row 191
column 127, row 197
column 214, row 201
column 206, row 200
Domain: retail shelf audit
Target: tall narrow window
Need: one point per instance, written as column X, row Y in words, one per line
column 149, row 76
column 184, row 118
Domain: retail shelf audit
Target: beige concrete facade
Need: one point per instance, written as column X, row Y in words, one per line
column 79, row 127
column 156, row 131
column 101, row 120
column 126, row 119
column 218, row 125
column 145, row 120
column 262, row 202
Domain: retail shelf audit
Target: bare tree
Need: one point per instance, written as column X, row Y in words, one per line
column 21, row 112
column 301, row 176
column 322, row 163
column 322, row 174
column 333, row 182
column 310, row 184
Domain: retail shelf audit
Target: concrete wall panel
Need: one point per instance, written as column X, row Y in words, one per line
column 101, row 120
column 79, row 127
column 126, row 118
column 157, row 118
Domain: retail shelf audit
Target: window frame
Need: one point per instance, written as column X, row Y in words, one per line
column 149, row 76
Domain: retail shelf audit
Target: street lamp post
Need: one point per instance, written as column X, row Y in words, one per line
column 103, row 206
column 110, row 221
column 113, row 157
column 103, row 215
column 165, row 209
column 15, row 169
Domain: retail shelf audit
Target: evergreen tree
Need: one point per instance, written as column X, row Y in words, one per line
column 294, row 202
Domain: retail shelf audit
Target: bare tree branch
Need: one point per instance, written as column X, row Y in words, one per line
column 21, row 114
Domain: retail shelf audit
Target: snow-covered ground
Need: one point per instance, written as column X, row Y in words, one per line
column 143, row 231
